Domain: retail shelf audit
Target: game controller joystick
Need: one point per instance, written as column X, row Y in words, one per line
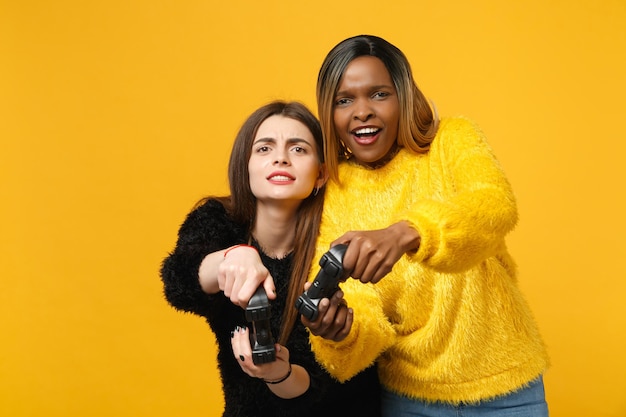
column 258, row 313
column 326, row 282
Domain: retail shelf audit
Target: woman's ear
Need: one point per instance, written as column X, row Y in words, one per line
column 322, row 177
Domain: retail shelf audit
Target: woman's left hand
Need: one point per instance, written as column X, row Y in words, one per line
column 240, row 342
column 334, row 319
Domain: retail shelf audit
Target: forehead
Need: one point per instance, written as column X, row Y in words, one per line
column 365, row 70
column 281, row 127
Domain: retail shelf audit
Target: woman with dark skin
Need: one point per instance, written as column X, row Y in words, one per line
column 424, row 207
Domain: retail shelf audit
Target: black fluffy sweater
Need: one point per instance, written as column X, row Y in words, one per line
column 208, row 229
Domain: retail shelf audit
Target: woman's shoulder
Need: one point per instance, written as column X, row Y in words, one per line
column 209, row 206
column 211, row 213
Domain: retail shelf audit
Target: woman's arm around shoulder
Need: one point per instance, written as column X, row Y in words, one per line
column 206, row 229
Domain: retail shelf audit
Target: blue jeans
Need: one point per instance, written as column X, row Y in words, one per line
column 527, row 402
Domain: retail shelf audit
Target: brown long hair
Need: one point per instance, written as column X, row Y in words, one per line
column 418, row 122
column 241, row 204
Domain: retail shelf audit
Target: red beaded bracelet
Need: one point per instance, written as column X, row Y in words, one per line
column 237, row 246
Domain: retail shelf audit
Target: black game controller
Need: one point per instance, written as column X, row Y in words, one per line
column 326, row 282
column 258, row 312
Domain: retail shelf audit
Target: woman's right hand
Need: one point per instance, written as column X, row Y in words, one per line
column 241, row 272
column 371, row 254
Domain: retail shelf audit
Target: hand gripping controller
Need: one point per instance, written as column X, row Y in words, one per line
column 261, row 340
column 326, row 282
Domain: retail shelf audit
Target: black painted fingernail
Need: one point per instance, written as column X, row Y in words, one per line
column 232, row 334
column 242, row 358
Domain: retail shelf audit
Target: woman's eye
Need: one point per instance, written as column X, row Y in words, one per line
column 262, row 149
column 381, row 94
column 299, row 149
column 341, row 101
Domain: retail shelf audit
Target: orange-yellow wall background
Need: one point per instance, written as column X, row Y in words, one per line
column 116, row 116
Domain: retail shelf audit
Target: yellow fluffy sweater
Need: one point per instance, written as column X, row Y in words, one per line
column 449, row 323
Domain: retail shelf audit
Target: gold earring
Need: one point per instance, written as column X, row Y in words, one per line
column 345, row 152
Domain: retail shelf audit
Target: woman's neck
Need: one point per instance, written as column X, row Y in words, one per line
column 382, row 161
column 274, row 230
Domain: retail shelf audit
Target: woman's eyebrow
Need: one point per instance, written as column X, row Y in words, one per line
column 370, row 88
column 289, row 141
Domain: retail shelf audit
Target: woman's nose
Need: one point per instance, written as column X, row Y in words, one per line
column 363, row 111
column 281, row 159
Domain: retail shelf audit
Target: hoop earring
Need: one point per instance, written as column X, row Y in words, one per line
column 315, row 191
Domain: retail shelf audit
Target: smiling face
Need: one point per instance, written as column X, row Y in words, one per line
column 366, row 110
column 284, row 164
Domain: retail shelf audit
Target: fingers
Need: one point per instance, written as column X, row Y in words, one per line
column 338, row 318
column 334, row 319
column 315, row 326
column 282, row 353
column 364, row 259
column 240, row 342
column 343, row 331
column 270, row 288
column 374, row 269
column 240, row 274
column 242, row 351
column 249, row 285
column 370, row 255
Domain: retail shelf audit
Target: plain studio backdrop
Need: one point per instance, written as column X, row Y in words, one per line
column 117, row 116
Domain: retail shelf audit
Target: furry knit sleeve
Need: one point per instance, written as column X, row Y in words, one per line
column 206, row 229
column 473, row 208
column 370, row 335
